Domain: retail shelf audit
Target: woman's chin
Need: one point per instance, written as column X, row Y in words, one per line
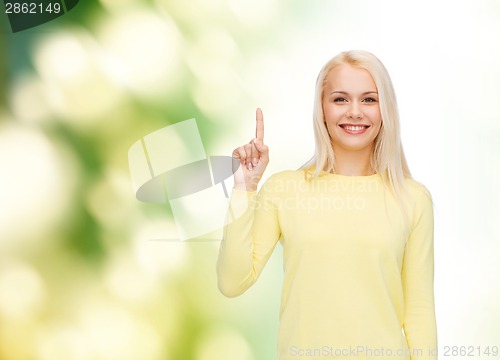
column 352, row 145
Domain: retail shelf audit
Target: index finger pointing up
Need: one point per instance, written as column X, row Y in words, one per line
column 259, row 130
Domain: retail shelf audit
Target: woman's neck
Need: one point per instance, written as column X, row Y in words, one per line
column 353, row 163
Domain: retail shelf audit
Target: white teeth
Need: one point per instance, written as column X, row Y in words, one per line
column 353, row 128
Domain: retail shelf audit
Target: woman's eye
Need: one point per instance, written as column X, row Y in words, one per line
column 370, row 100
column 339, row 99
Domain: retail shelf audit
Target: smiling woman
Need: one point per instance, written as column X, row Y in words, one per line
column 358, row 280
column 351, row 110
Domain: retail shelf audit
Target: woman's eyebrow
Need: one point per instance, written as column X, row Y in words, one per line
column 346, row 93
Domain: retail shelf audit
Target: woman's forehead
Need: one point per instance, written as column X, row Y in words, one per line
column 348, row 78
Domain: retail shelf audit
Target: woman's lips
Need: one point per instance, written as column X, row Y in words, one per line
column 354, row 129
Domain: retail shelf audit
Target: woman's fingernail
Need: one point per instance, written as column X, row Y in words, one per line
column 254, row 162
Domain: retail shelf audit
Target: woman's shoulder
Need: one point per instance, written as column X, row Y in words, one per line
column 418, row 189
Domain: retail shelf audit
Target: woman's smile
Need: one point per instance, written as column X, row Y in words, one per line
column 354, row 129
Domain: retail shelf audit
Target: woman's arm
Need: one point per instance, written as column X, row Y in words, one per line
column 251, row 233
column 251, row 229
column 418, row 282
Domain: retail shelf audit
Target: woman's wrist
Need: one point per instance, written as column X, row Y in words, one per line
column 245, row 187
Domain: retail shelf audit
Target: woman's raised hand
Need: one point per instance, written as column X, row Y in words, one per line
column 253, row 158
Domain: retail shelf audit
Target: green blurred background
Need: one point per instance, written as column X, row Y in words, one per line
column 80, row 275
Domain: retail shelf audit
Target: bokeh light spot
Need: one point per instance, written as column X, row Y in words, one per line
column 35, row 187
column 29, row 101
column 144, row 46
column 22, row 291
column 223, row 343
column 71, row 66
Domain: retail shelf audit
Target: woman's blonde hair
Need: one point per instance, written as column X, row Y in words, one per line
column 388, row 158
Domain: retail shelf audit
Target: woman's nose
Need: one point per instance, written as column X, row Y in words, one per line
column 355, row 112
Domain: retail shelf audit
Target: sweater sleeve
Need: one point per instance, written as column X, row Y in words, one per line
column 251, row 232
column 418, row 283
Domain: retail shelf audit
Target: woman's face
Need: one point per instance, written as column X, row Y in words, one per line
column 351, row 108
